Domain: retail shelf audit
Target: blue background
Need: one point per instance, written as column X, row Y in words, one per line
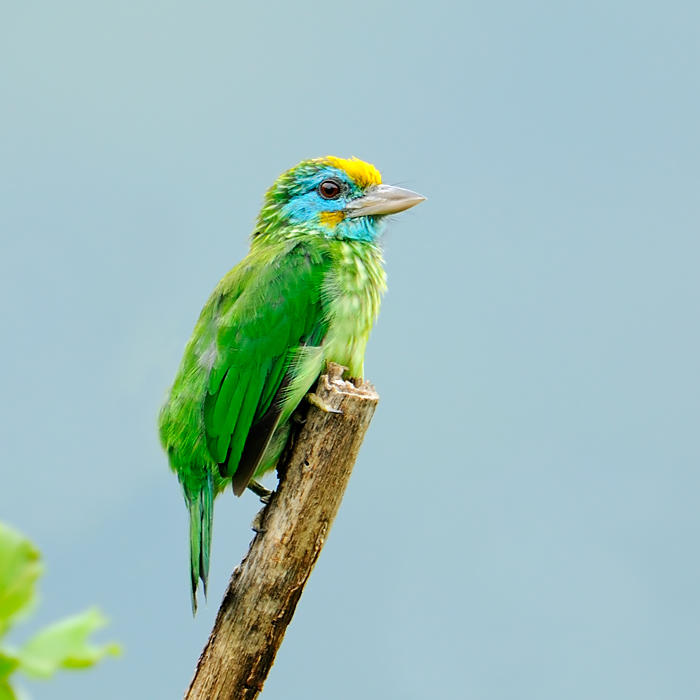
column 523, row 518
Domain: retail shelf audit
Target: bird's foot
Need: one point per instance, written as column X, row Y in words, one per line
column 260, row 490
column 257, row 524
column 316, row 400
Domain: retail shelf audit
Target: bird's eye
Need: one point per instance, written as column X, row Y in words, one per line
column 329, row 189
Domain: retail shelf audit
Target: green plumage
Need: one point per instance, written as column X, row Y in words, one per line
column 307, row 293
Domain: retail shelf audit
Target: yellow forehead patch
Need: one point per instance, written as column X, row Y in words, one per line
column 331, row 218
column 364, row 174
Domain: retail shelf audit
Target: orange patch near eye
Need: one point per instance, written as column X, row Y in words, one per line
column 364, row 174
column 331, row 218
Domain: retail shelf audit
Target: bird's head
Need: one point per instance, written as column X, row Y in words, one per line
column 333, row 197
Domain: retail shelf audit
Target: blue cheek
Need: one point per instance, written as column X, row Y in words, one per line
column 307, row 207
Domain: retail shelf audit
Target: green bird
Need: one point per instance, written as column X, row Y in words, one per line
column 307, row 293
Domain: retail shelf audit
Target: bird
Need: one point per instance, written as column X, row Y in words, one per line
column 307, row 293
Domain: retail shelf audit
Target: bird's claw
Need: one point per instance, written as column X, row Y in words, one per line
column 316, row 400
column 259, row 490
column 257, row 524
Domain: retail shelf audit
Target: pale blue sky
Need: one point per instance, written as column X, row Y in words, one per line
column 523, row 518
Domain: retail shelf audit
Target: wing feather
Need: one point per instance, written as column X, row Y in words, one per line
column 244, row 420
column 258, row 333
column 274, row 379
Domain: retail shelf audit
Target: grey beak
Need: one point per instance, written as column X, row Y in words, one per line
column 383, row 199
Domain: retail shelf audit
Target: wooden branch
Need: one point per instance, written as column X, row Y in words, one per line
column 264, row 590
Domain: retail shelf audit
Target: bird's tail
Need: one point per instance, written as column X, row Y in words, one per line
column 201, row 507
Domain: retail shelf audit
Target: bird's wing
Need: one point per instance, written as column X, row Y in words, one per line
column 260, row 327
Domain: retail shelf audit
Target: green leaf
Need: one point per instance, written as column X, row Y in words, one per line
column 6, row 692
column 65, row 644
column 19, row 570
column 8, row 663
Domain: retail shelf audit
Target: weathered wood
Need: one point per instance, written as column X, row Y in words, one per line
column 265, row 588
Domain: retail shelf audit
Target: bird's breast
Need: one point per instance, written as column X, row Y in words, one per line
column 353, row 290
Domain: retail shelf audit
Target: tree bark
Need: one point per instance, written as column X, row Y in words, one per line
column 291, row 531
